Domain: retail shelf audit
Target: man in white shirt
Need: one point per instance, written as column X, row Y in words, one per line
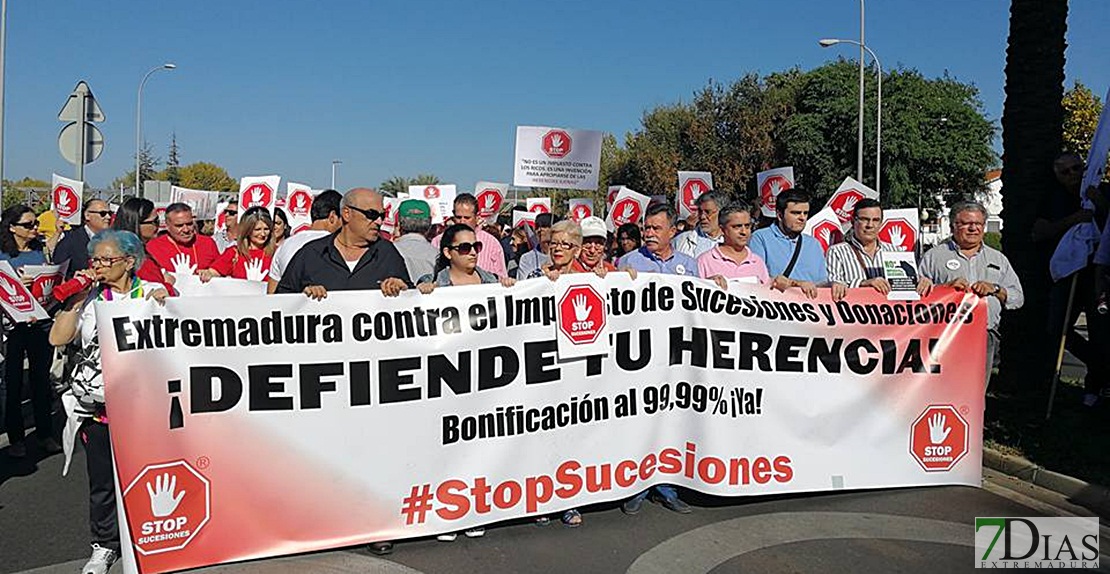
column 325, row 221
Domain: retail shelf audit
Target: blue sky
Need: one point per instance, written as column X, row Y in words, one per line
column 406, row 87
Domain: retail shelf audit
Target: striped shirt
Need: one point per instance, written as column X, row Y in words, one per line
column 844, row 267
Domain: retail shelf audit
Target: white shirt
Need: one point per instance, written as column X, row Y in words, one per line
column 289, row 248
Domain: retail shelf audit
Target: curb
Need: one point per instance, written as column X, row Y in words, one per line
column 1093, row 496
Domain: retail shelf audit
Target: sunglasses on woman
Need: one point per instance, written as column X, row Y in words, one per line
column 466, row 248
column 26, row 224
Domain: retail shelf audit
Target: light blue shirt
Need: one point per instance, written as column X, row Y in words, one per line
column 32, row 257
column 647, row 262
column 776, row 249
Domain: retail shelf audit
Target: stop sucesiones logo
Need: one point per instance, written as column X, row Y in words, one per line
column 258, row 194
column 938, row 438
column 15, row 294
column 300, row 203
column 66, row 202
column 771, row 188
column 556, row 143
column 692, row 190
column 582, row 314
column 167, row 505
column 899, row 233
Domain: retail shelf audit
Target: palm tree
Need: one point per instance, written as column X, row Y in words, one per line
column 426, row 179
column 1032, row 128
column 394, row 186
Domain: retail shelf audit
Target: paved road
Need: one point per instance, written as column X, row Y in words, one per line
column 928, row 530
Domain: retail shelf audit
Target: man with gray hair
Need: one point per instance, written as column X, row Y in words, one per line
column 414, row 219
column 707, row 234
column 965, row 263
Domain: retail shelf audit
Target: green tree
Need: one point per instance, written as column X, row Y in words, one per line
column 425, row 179
column 1082, row 109
column 1032, row 137
column 207, row 176
column 148, row 170
column 173, row 163
column 394, row 186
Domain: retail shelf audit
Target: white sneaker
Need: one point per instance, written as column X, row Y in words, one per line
column 449, row 537
column 475, row 532
column 101, row 560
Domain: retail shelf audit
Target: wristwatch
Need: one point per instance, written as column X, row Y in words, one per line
column 997, row 289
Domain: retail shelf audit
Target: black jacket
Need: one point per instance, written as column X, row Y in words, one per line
column 74, row 247
column 320, row 263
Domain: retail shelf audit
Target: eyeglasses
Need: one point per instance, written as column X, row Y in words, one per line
column 466, row 248
column 155, row 222
column 104, row 213
column 231, row 213
column 105, row 261
column 563, row 245
column 970, row 224
column 371, row 214
column 26, row 224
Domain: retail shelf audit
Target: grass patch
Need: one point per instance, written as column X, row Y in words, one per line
column 1072, row 442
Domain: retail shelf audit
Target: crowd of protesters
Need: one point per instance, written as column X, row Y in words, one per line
column 125, row 255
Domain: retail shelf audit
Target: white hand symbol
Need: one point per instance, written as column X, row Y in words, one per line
column 254, row 270
column 162, row 500
column 47, row 286
column 826, row 236
column 849, row 205
column 63, row 201
column 556, row 141
column 254, row 197
column 581, row 308
column 8, row 286
column 897, row 237
column 182, row 265
column 626, row 212
column 487, row 201
column 300, row 202
column 776, row 186
column 695, row 189
column 937, row 430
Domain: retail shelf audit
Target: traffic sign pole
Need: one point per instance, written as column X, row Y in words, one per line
column 82, row 93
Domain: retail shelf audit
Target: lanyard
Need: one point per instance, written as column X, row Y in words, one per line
column 136, row 291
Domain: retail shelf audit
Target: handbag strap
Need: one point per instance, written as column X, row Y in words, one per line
column 794, row 257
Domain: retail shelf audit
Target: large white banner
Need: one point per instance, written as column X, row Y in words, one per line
column 557, row 157
column 66, row 198
column 361, row 418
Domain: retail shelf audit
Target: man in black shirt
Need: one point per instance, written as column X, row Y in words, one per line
column 352, row 258
column 74, row 247
column 1059, row 211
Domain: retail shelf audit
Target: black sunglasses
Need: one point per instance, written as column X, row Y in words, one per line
column 465, row 248
column 104, row 213
column 156, row 221
column 26, row 224
column 231, row 212
column 371, row 214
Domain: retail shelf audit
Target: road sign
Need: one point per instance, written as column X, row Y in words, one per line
column 70, row 136
column 71, row 110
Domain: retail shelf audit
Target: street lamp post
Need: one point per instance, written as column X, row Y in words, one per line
column 334, row 163
column 859, row 135
column 825, row 43
column 3, row 49
column 139, row 121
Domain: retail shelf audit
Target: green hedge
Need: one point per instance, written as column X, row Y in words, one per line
column 993, row 239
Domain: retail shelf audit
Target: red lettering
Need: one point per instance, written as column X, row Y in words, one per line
column 711, row 470
column 507, row 494
column 539, row 490
column 571, row 482
column 691, row 449
column 451, row 493
column 480, row 492
column 625, row 473
column 782, row 467
column 761, row 470
column 738, row 472
column 599, row 478
column 670, row 461
column 647, row 467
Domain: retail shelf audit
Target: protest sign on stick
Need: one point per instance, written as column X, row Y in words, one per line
column 691, row 184
column 825, row 227
column 771, row 183
column 538, row 204
column 261, row 191
column 843, row 201
column 203, row 203
column 490, row 197
column 44, row 278
column 901, row 228
column 440, row 198
column 557, row 157
column 579, row 208
column 629, row 207
column 66, row 197
column 17, row 301
column 298, row 206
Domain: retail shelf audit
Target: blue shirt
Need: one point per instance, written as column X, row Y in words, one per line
column 32, row 257
column 776, row 249
column 648, row 262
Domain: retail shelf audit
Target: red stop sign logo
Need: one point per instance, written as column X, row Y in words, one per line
column 556, row 144
column 257, row 195
column 899, row 233
column 827, row 233
column 431, row 192
column 626, row 210
column 44, row 285
column 300, row 203
column 938, row 438
column 613, row 192
column 581, row 314
column 167, row 505
column 691, row 190
column 489, row 202
column 844, row 203
column 15, row 294
column 66, row 202
column 539, row 208
column 771, row 188
column 580, row 212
